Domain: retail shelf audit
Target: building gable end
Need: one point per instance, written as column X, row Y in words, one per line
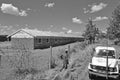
column 22, row 34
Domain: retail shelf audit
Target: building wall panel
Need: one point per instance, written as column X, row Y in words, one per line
column 23, row 43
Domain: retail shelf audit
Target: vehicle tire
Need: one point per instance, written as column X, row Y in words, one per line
column 118, row 78
column 91, row 77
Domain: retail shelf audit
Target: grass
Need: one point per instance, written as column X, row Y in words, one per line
column 79, row 60
column 40, row 57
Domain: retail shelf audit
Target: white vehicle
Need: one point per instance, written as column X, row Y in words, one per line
column 105, row 63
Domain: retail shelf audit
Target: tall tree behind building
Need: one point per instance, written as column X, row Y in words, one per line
column 91, row 31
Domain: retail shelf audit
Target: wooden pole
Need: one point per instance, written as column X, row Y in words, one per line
column 107, row 67
column 68, row 55
column 68, row 49
column 0, row 60
column 50, row 57
column 107, row 63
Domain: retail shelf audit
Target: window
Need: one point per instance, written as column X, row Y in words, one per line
column 47, row 40
column 39, row 40
column 103, row 53
column 56, row 40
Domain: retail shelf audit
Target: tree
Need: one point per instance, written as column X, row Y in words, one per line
column 91, row 31
column 102, row 35
column 113, row 31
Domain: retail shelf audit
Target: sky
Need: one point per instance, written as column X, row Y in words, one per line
column 67, row 16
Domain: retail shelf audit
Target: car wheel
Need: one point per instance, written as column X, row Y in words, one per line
column 91, row 77
column 118, row 78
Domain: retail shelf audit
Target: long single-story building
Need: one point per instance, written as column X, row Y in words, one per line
column 35, row 39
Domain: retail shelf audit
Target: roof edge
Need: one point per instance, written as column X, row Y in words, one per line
column 19, row 31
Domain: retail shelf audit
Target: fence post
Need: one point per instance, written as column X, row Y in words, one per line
column 50, row 61
column 69, row 50
column 0, row 59
column 68, row 55
column 107, row 67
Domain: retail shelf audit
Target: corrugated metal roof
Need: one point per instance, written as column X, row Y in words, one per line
column 35, row 32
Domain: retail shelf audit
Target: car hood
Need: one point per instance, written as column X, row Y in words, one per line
column 112, row 62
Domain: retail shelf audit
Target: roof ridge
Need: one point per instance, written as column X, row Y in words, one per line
column 36, row 32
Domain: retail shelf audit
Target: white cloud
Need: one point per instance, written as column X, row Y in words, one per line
column 29, row 9
column 23, row 13
column 64, row 28
column 73, row 33
column 100, row 18
column 77, row 20
column 51, row 26
column 95, row 8
column 85, row 10
column 99, row 7
column 50, row 5
column 77, row 33
column 69, row 31
column 5, row 30
column 10, row 9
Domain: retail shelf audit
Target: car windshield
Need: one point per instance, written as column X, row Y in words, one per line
column 103, row 53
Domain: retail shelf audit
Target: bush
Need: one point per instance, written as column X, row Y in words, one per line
column 22, row 63
column 81, row 46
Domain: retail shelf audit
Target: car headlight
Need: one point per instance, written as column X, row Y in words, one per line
column 92, row 66
column 112, row 69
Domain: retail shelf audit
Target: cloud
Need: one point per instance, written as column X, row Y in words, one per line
column 29, row 9
column 69, row 31
column 10, row 9
column 5, row 30
column 85, row 10
column 76, row 33
column 23, row 13
column 77, row 20
column 99, row 7
column 100, row 18
column 95, row 8
column 50, row 5
column 73, row 33
column 64, row 28
column 51, row 26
